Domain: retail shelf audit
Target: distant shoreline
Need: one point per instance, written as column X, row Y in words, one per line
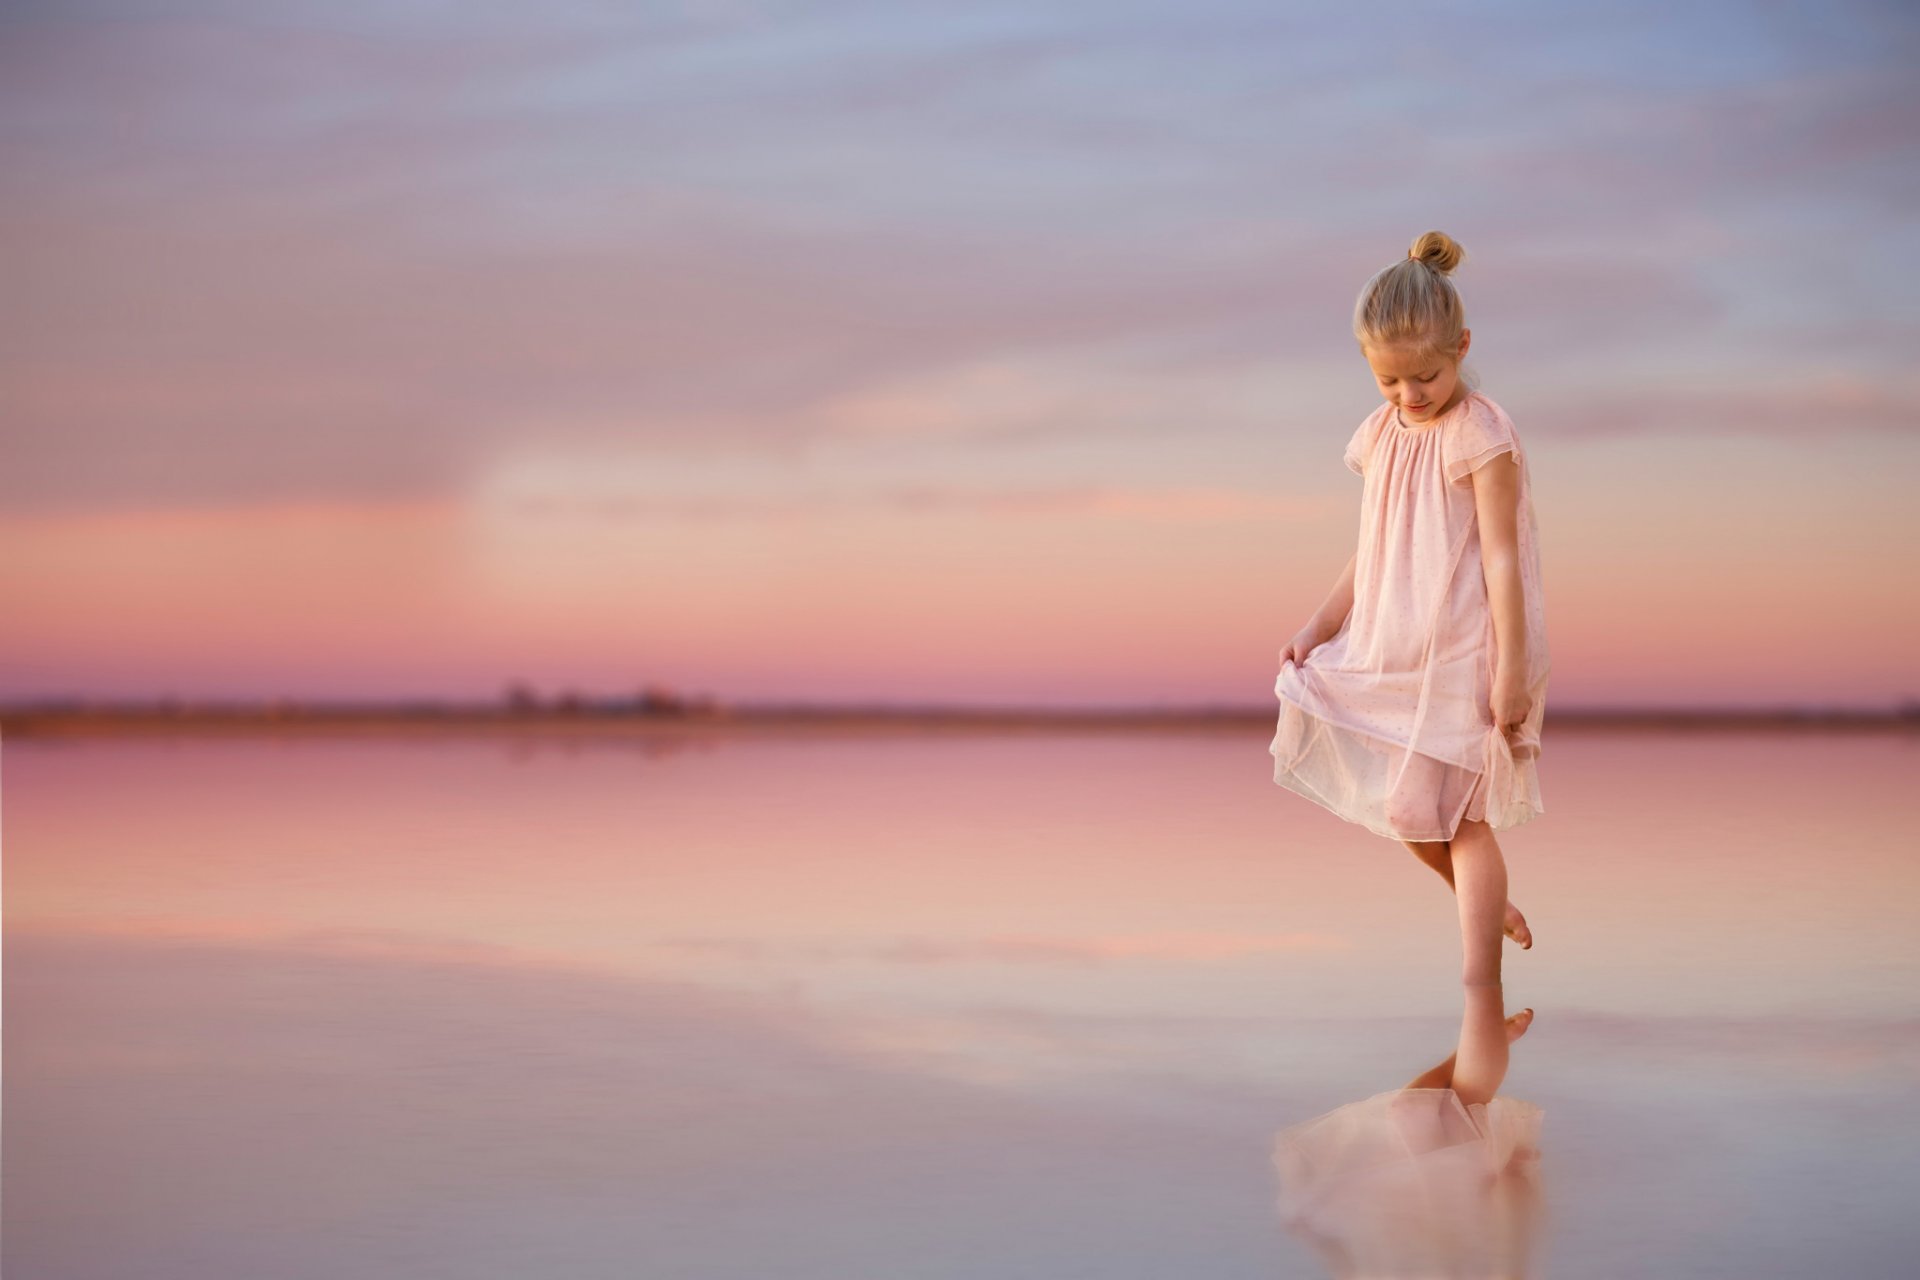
column 282, row 718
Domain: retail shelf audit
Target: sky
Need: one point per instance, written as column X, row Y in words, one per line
column 981, row 354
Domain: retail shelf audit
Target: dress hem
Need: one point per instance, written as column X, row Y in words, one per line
column 1503, row 797
column 1292, row 782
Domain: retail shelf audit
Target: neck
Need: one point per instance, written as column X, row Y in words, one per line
column 1452, row 400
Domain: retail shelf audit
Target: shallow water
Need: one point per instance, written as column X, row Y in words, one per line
column 940, row 1005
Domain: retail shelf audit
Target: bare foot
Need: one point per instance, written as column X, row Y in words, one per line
column 1515, row 927
column 1517, row 1025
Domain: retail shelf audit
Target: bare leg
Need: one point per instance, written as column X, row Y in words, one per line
column 1480, row 885
column 1480, row 1064
column 1438, row 854
column 1441, row 1077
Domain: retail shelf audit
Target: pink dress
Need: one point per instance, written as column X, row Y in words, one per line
column 1389, row 723
column 1416, row 1183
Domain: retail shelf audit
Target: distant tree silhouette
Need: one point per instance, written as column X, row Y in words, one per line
column 659, row 700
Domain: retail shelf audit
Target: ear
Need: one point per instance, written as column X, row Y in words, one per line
column 1466, row 340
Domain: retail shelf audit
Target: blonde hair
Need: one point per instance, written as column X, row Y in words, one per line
column 1413, row 303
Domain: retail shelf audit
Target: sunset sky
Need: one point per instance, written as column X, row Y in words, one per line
column 986, row 353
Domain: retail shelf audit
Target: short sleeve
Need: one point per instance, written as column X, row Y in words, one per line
column 1360, row 445
column 1476, row 438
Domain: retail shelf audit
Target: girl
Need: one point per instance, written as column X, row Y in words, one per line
column 1412, row 702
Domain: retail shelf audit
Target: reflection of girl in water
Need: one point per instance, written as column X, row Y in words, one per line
column 1412, row 701
column 1439, row 1178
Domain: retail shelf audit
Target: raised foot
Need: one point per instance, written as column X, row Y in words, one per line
column 1515, row 927
column 1517, row 1025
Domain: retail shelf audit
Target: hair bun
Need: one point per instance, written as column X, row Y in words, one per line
column 1438, row 250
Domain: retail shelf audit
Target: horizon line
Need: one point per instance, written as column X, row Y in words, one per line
column 656, row 707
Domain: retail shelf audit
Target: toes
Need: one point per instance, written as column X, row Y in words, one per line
column 1517, row 929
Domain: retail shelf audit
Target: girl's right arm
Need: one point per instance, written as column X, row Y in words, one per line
column 1325, row 622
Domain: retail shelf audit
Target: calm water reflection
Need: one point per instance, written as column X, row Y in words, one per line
column 953, row 1005
column 1438, row 1178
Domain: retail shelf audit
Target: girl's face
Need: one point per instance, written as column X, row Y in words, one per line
column 1422, row 384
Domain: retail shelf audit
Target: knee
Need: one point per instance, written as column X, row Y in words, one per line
column 1472, row 834
column 1414, row 813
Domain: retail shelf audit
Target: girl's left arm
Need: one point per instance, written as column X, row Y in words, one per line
column 1496, row 500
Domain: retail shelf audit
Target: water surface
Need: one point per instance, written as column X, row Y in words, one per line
column 942, row 1005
